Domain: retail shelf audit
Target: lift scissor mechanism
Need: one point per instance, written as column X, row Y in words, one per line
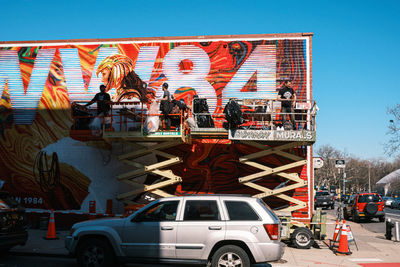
column 280, row 171
column 168, row 177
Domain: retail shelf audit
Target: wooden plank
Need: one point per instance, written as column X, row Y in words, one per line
column 290, row 166
column 272, row 171
column 163, row 164
column 133, row 164
column 254, row 176
column 289, row 156
column 292, row 176
column 268, row 151
column 163, row 154
column 147, row 169
column 142, row 186
column 148, row 150
column 147, row 188
column 168, row 174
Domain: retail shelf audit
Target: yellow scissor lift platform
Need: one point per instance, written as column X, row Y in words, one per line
column 267, row 141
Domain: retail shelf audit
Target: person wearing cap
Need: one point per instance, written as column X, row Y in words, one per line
column 288, row 95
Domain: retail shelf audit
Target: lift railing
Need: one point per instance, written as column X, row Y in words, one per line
column 257, row 114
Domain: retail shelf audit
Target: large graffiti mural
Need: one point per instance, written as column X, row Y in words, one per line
column 45, row 168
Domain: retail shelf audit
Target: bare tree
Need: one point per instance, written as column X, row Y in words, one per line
column 393, row 145
column 328, row 175
column 359, row 172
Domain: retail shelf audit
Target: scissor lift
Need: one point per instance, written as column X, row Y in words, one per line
column 144, row 145
column 282, row 143
column 280, row 171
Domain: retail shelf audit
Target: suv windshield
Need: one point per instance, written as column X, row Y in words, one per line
column 368, row 198
column 322, row 194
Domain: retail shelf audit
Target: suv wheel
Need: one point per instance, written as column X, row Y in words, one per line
column 230, row 255
column 302, row 238
column 95, row 252
column 382, row 218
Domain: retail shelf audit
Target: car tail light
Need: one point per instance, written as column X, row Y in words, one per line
column 272, row 231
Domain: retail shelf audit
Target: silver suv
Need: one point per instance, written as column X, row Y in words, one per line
column 219, row 230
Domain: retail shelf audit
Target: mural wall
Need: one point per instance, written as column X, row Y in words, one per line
column 45, row 168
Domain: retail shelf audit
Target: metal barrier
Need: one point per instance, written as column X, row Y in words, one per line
column 389, row 230
column 257, row 114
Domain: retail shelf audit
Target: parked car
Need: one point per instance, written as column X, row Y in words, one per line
column 324, row 199
column 364, row 205
column 216, row 229
column 12, row 223
column 396, row 203
column 388, row 201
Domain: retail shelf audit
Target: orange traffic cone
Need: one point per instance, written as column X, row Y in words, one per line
column 335, row 234
column 51, row 231
column 343, row 243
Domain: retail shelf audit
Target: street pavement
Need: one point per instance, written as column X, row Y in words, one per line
column 373, row 249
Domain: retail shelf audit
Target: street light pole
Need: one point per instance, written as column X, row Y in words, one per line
column 369, row 176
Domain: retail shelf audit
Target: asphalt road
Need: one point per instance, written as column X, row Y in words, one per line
column 374, row 225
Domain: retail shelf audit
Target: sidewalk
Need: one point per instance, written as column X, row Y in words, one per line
column 38, row 245
column 374, row 249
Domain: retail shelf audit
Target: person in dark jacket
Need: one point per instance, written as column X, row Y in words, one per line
column 288, row 95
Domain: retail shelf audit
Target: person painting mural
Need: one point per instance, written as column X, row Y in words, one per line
column 103, row 101
column 288, row 95
column 165, row 105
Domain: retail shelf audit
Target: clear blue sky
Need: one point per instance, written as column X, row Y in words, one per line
column 355, row 47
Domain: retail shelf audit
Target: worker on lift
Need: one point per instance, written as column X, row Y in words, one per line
column 288, row 95
column 103, row 100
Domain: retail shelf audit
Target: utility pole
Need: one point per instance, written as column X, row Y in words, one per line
column 341, row 164
column 344, row 181
column 369, row 176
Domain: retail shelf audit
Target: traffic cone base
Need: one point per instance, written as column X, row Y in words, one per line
column 51, row 230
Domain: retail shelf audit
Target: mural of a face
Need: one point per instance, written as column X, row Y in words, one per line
column 105, row 75
column 117, row 72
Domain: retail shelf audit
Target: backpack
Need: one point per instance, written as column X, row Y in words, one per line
column 233, row 114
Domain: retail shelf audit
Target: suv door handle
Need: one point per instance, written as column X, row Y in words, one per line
column 167, row 228
column 214, row 227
